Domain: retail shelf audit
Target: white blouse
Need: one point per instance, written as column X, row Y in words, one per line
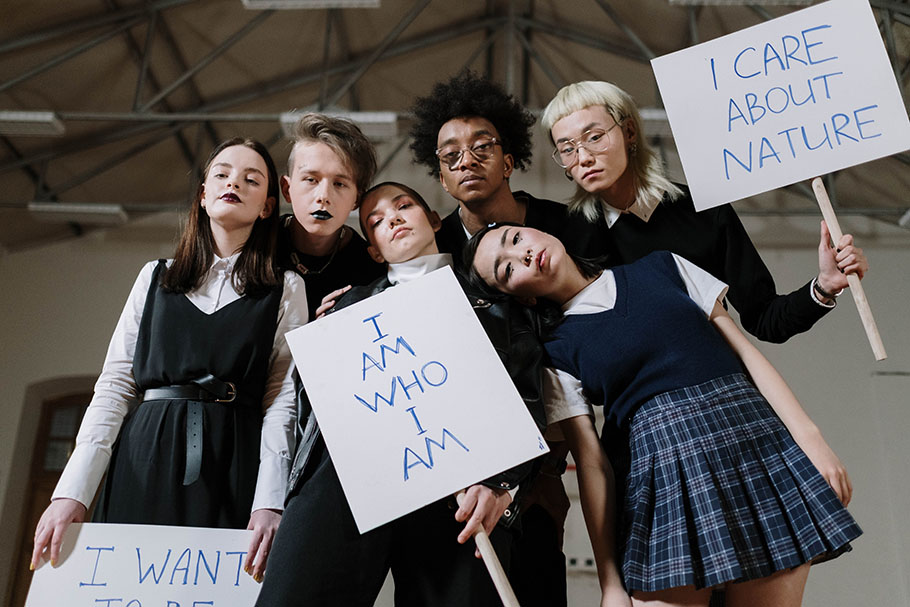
column 116, row 392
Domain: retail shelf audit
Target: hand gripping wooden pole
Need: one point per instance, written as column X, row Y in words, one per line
column 494, row 567
column 856, row 288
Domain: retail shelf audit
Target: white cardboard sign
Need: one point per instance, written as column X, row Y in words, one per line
column 411, row 397
column 790, row 99
column 107, row 565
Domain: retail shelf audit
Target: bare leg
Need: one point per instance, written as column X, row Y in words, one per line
column 684, row 596
column 781, row 589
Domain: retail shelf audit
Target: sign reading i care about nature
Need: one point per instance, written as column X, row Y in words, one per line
column 105, row 565
column 412, row 399
column 790, row 99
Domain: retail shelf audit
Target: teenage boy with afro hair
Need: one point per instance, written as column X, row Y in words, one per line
column 472, row 135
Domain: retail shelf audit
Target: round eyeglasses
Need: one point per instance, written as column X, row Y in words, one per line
column 593, row 140
column 450, row 155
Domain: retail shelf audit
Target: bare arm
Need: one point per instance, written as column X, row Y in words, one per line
column 783, row 401
column 596, row 485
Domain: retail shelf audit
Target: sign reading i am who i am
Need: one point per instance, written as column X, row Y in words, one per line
column 412, row 398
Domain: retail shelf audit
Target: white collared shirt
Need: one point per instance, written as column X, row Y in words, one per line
column 641, row 209
column 116, row 392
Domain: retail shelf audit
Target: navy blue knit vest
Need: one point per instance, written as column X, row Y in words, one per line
column 654, row 340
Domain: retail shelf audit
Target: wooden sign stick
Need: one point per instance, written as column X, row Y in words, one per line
column 494, row 567
column 856, row 288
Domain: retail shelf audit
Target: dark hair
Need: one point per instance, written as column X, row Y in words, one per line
column 464, row 96
column 404, row 188
column 345, row 138
column 255, row 269
column 589, row 268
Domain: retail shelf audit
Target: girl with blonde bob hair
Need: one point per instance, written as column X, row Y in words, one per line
column 622, row 187
column 645, row 165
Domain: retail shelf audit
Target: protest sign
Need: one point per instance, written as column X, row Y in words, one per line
column 106, row 565
column 411, row 397
column 790, row 99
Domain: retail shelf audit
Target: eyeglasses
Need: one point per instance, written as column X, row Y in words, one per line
column 481, row 150
column 594, row 141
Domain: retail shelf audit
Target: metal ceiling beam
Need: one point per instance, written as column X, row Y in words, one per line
column 484, row 46
column 87, row 23
column 402, row 140
column 491, row 32
column 892, row 51
column 238, row 97
column 541, row 61
column 693, row 24
column 114, row 161
column 140, row 56
column 85, row 143
column 630, row 34
column 183, row 66
column 897, row 7
column 526, row 59
column 35, row 177
column 345, row 44
column 214, row 54
column 76, row 50
column 165, row 117
column 591, row 40
column 144, row 62
column 509, row 52
column 309, row 74
column 326, row 53
column 378, row 51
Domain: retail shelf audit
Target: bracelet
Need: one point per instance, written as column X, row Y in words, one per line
column 818, row 289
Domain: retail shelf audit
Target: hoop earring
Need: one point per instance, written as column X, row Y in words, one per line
column 568, row 175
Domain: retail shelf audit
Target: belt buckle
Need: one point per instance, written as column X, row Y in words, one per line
column 232, row 394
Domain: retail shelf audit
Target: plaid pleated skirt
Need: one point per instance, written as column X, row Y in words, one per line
column 716, row 490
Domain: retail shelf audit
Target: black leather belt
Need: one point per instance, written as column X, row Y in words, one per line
column 204, row 389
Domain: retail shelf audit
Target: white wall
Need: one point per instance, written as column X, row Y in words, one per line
column 59, row 305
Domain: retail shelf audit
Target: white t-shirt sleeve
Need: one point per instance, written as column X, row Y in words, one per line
column 563, row 399
column 702, row 287
column 279, row 406
column 116, row 393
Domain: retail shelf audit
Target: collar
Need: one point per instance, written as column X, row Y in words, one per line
column 224, row 263
column 598, row 296
column 415, row 268
column 640, row 209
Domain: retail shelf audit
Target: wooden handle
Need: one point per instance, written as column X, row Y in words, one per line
column 856, row 287
column 494, row 567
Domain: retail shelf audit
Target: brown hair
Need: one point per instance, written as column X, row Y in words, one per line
column 345, row 138
column 254, row 272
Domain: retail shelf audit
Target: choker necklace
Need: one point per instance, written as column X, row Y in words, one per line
column 303, row 270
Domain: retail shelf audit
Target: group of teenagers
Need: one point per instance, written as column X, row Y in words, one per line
column 707, row 474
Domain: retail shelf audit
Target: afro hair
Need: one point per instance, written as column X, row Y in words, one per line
column 467, row 95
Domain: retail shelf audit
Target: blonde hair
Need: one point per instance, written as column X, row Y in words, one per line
column 651, row 185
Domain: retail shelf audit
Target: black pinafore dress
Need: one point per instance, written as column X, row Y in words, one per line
column 177, row 343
